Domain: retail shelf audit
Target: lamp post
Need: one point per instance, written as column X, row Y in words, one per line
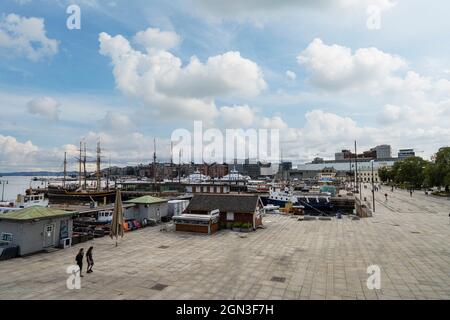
column 373, row 188
column 3, row 182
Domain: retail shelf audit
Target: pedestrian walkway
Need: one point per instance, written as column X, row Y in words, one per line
column 408, row 238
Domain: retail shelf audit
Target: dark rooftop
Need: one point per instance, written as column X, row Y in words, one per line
column 223, row 202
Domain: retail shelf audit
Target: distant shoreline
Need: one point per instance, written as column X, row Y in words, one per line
column 35, row 174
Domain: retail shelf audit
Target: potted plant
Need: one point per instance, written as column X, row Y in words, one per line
column 236, row 226
column 246, row 227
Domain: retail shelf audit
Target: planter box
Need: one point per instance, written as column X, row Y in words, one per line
column 246, row 229
column 236, row 229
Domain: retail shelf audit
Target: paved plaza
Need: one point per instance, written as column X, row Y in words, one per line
column 408, row 238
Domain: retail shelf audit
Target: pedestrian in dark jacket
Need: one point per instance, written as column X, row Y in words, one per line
column 79, row 260
column 90, row 260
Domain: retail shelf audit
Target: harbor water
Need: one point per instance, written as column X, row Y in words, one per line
column 17, row 185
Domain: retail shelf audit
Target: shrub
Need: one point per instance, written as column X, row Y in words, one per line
column 237, row 225
column 246, row 225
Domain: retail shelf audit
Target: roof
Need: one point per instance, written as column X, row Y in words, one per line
column 146, row 200
column 35, row 212
column 224, row 202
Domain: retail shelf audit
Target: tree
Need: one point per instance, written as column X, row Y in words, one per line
column 409, row 171
column 440, row 170
column 385, row 174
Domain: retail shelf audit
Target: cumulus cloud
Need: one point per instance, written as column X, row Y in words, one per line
column 336, row 67
column 325, row 133
column 14, row 152
column 237, row 116
column 129, row 147
column 25, row 37
column 114, row 121
column 291, row 75
column 159, row 80
column 153, row 38
column 44, row 106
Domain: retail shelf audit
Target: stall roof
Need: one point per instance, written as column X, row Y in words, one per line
column 35, row 212
column 146, row 200
column 224, row 202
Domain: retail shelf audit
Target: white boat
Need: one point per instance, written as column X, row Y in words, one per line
column 281, row 197
column 105, row 216
column 25, row 201
column 234, row 175
column 197, row 176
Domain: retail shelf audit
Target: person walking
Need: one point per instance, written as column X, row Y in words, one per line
column 385, row 195
column 90, row 260
column 410, row 193
column 79, row 260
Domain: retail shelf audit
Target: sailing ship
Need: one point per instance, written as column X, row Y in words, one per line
column 80, row 193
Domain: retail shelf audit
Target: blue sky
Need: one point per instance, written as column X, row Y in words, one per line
column 346, row 82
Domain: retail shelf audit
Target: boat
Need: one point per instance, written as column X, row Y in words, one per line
column 315, row 203
column 258, row 186
column 197, row 177
column 105, row 216
column 24, row 201
column 234, row 175
column 63, row 196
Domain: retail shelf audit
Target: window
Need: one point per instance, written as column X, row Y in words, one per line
column 230, row 216
column 8, row 237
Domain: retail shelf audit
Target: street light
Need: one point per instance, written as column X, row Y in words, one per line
column 373, row 187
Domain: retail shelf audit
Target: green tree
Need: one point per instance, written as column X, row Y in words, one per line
column 440, row 169
column 409, row 171
column 385, row 174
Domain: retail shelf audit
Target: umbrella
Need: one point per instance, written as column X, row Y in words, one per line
column 117, row 220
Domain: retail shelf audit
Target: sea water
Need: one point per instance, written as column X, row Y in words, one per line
column 17, row 185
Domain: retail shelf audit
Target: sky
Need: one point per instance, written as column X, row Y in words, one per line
column 324, row 73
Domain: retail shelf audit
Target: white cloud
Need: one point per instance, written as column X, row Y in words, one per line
column 159, row 80
column 275, row 122
column 325, row 133
column 44, row 106
column 237, row 116
column 291, row 75
column 129, row 148
column 13, row 152
column 25, row 37
column 153, row 38
column 390, row 114
column 336, row 67
column 114, row 121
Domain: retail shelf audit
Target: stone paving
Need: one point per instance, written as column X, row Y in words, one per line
column 407, row 237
